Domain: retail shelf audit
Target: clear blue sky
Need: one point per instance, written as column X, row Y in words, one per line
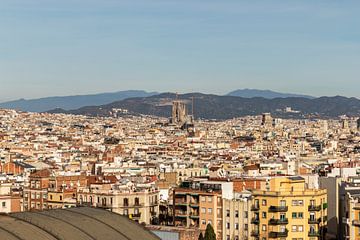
column 53, row 47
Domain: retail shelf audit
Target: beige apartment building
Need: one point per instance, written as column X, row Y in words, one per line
column 236, row 220
column 140, row 204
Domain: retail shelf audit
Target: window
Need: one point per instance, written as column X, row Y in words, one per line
column 263, row 214
column 264, row 227
column 126, row 212
column 137, row 201
column 3, row 204
column 203, row 199
column 228, row 213
column 300, row 215
column 246, row 227
column 126, row 202
column 51, row 197
column 297, row 228
column 282, row 203
column 60, row 198
column 209, row 210
column 227, row 225
column 210, row 198
column 245, row 214
column 236, row 213
column 294, row 215
column 210, row 222
column 297, row 202
column 236, row 226
column 203, row 222
column 263, row 202
column 203, row 210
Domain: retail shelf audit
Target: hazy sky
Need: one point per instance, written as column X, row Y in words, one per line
column 52, row 47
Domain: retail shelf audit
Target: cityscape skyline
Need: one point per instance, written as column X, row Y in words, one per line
column 79, row 47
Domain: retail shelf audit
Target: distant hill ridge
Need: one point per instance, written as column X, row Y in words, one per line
column 250, row 93
column 209, row 106
column 72, row 102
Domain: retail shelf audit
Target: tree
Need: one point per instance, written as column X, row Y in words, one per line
column 201, row 237
column 209, row 233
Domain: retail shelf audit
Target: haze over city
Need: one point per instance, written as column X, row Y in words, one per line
column 179, row 120
column 52, row 48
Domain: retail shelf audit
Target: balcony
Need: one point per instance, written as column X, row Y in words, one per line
column 181, row 203
column 314, row 208
column 314, row 234
column 255, row 233
column 356, row 223
column 278, row 208
column 314, row 221
column 255, row 208
column 255, row 220
column 194, row 215
column 180, row 214
column 278, row 234
column 136, row 215
column 278, row 221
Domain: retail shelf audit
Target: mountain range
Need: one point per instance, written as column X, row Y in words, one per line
column 238, row 103
column 250, row 93
column 72, row 102
column 209, row 106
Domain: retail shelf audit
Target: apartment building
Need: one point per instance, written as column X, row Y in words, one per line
column 9, row 201
column 200, row 202
column 236, row 220
column 287, row 210
column 352, row 219
column 36, row 193
column 62, row 190
column 140, row 203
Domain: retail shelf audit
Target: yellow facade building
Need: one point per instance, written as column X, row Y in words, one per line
column 286, row 209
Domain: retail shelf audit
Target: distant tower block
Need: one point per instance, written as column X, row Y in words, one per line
column 344, row 123
column 266, row 120
column 178, row 112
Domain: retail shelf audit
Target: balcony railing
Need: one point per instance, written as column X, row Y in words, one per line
column 255, row 208
column 278, row 234
column 356, row 222
column 278, row 221
column 255, row 220
column 314, row 220
column 255, row 233
column 314, row 234
column 314, row 208
column 136, row 215
column 278, row 208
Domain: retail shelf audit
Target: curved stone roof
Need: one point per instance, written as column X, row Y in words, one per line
column 72, row 223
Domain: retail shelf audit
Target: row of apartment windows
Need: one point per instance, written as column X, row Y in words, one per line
column 38, row 196
column 236, row 214
column 294, row 215
column 283, row 202
column 294, row 228
column 236, row 226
